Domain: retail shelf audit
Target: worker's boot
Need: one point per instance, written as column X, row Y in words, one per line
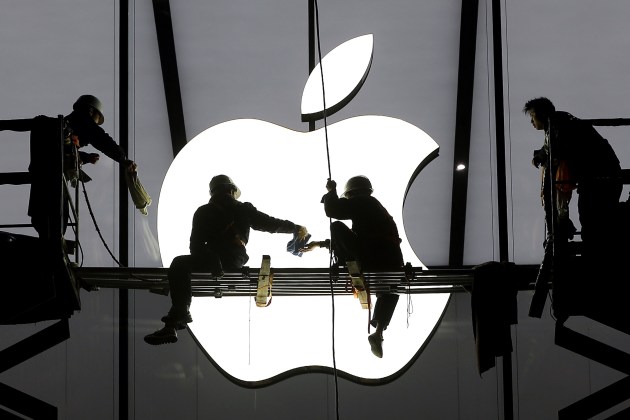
column 376, row 344
column 164, row 336
column 177, row 317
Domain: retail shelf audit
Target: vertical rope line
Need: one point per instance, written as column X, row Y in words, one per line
column 509, row 138
column 249, row 326
column 496, row 381
column 321, row 72
column 457, row 350
column 113, row 201
column 330, row 262
column 133, row 110
column 113, row 355
column 66, row 378
column 196, row 373
column 115, row 61
column 409, row 302
column 115, row 122
column 509, row 131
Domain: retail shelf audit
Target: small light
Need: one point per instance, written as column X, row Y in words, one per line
column 460, row 167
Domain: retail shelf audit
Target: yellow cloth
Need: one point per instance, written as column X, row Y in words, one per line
column 138, row 194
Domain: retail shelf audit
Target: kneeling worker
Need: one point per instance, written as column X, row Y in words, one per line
column 373, row 241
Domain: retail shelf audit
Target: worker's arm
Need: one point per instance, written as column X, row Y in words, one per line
column 264, row 222
column 106, row 144
column 88, row 132
column 315, row 244
column 88, row 157
column 335, row 207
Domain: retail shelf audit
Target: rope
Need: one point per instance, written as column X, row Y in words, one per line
column 509, row 122
column 321, row 71
column 98, row 230
column 330, row 261
column 509, row 135
column 100, row 235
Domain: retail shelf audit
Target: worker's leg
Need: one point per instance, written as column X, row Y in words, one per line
column 597, row 206
column 343, row 242
column 383, row 311
column 180, row 283
column 233, row 256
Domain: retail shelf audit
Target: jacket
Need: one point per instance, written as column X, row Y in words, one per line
column 226, row 222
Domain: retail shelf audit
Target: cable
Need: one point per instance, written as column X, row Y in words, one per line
column 330, row 262
column 249, row 326
column 98, row 230
column 409, row 302
column 509, row 132
column 100, row 235
column 78, row 242
column 507, row 83
column 321, row 71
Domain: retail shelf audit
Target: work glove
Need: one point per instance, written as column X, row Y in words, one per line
column 301, row 232
column 540, row 157
column 131, row 166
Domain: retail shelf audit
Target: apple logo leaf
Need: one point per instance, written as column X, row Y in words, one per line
column 345, row 70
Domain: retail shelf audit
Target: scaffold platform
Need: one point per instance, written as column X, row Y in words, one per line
column 293, row 281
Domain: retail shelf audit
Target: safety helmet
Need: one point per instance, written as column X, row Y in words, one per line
column 90, row 101
column 358, row 182
column 222, row 180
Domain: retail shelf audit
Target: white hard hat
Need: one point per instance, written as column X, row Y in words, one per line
column 90, row 101
column 358, row 182
column 221, row 180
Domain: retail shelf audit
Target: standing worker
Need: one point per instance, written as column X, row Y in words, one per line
column 220, row 232
column 81, row 128
column 373, row 241
column 581, row 157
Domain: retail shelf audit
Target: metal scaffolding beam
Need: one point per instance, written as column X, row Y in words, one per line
column 291, row 281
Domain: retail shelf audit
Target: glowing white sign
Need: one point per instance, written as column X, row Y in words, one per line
column 283, row 173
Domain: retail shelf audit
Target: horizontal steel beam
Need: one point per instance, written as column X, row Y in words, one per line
column 291, row 281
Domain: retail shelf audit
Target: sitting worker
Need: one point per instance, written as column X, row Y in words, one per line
column 580, row 156
column 81, row 128
column 220, row 232
column 373, row 241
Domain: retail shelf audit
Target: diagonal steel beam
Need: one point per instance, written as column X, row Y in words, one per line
column 463, row 121
column 25, row 404
column 170, row 75
column 598, row 402
column 34, row 345
column 592, row 349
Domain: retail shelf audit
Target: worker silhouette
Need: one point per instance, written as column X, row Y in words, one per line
column 582, row 158
column 81, row 128
column 373, row 241
column 220, row 232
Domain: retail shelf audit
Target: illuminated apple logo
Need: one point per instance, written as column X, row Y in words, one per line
column 283, row 173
